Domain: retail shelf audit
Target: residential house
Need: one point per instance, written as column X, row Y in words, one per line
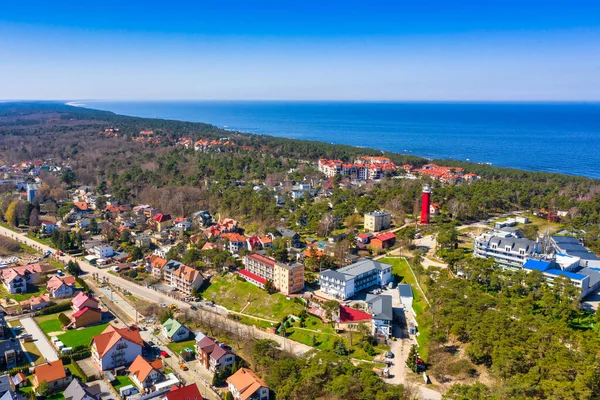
column 80, row 391
column 6, row 384
column 155, row 264
column 48, row 227
column 345, row 282
column 189, row 392
column 16, row 279
column 203, row 217
column 103, row 251
column 235, row 242
column 212, row 246
column 183, row 223
column 291, row 235
column 302, row 190
column 143, row 241
column 11, row 353
column 36, row 303
column 84, row 317
column 253, row 243
column 182, row 277
column 384, row 240
column 174, row 331
column 266, row 241
column 115, row 347
column 377, row 221
column 60, row 287
column 434, row 209
column 246, row 385
column 83, row 300
column 214, row 356
column 54, row 374
column 350, row 319
column 162, row 221
column 82, row 223
column 145, row 373
column 380, row 307
column 19, row 380
column 12, row 396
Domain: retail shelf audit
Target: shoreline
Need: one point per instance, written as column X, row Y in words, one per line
column 472, row 160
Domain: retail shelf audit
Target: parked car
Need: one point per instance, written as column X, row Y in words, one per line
column 193, row 307
column 163, row 305
column 183, row 366
column 164, row 354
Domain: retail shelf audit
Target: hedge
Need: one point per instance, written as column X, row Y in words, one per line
column 56, row 308
column 83, row 284
column 64, row 320
column 79, row 370
column 24, row 370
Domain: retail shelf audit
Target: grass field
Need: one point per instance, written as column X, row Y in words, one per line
column 80, row 337
column 179, row 346
column 49, row 323
column 401, row 270
column 32, row 290
column 234, row 295
column 34, row 353
column 122, row 381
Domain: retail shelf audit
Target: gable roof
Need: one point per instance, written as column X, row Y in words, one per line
column 210, row 347
column 381, row 306
column 56, row 282
column 12, row 396
column 112, row 335
column 186, row 273
column 161, row 218
column 84, row 310
column 81, row 298
column 246, row 382
column 349, row 314
column 80, row 391
column 386, row 236
column 141, row 368
column 172, row 326
column 50, row 372
column 189, row 392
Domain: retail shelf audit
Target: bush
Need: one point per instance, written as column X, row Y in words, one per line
column 56, row 308
column 81, row 355
column 64, row 320
column 79, row 370
column 83, row 284
column 14, row 371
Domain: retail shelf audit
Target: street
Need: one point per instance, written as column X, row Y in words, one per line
column 39, row 338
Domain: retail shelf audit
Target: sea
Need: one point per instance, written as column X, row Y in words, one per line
column 551, row 137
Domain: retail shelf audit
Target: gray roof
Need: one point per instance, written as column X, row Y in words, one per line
column 286, row 232
column 405, row 290
column 9, row 344
column 573, row 247
column 172, row 265
column 5, row 383
column 80, row 391
column 593, row 273
column 381, row 306
column 12, row 396
column 353, row 270
column 513, row 243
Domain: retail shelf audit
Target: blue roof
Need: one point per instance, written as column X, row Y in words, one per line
column 566, row 240
column 405, row 290
column 537, row 265
column 570, row 275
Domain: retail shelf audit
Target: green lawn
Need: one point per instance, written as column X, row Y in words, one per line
column 74, row 371
column 80, row 337
column 34, row 353
column 403, row 274
column 123, row 381
column 179, row 346
column 234, row 295
column 32, row 290
column 49, row 323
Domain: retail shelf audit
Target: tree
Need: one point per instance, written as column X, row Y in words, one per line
column 93, row 228
column 125, row 236
column 43, row 389
column 413, row 355
column 34, row 218
column 270, row 287
column 330, row 307
column 68, row 176
column 10, row 215
column 340, row 348
column 73, row 268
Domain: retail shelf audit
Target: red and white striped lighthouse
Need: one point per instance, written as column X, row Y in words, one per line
column 425, row 203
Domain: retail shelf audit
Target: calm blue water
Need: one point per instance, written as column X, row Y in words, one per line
column 542, row 137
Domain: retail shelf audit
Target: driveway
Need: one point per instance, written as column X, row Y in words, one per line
column 39, row 339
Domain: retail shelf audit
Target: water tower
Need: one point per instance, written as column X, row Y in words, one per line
column 425, row 203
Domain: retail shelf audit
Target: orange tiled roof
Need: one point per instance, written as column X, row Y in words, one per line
column 50, row 372
column 246, row 382
column 111, row 336
column 56, row 282
column 186, row 273
column 234, row 237
column 141, row 368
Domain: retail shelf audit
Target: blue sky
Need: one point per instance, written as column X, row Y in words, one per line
column 309, row 50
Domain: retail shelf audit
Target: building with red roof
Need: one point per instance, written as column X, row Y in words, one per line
column 60, row 287
column 349, row 319
column 384, row 240
column 189, row 392
column 84, row 317
column 116, row 347
column 162, row 221
column 83, row 300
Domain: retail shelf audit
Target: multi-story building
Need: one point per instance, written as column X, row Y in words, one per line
column 214, row 356
column 507, row 247
column 16, row 279
column 345, row 282
column 116, row 347
column 302, row 190
column 380, row 307
column 246, row 385
column 377, row 221
column 363, row 168
column 287, row 278
column 182, row 277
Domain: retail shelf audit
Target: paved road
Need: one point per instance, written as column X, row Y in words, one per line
column 157, row 297
column 39, row 339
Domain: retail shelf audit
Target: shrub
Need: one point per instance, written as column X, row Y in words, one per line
column 83, row 284
column 64, row 320
column 56, row 308
column 14, row 371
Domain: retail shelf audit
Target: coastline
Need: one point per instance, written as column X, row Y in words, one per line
column 443, row 142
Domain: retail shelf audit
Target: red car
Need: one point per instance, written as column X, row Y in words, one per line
column 164, row 354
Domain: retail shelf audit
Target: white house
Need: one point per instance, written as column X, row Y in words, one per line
column 116, row 347
column 144, row 373
column 345, row 282
column 61, row 287
column 245, row 384
column 380, row 308
column 175, row 331
column 48, row 227
column 103, row 251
